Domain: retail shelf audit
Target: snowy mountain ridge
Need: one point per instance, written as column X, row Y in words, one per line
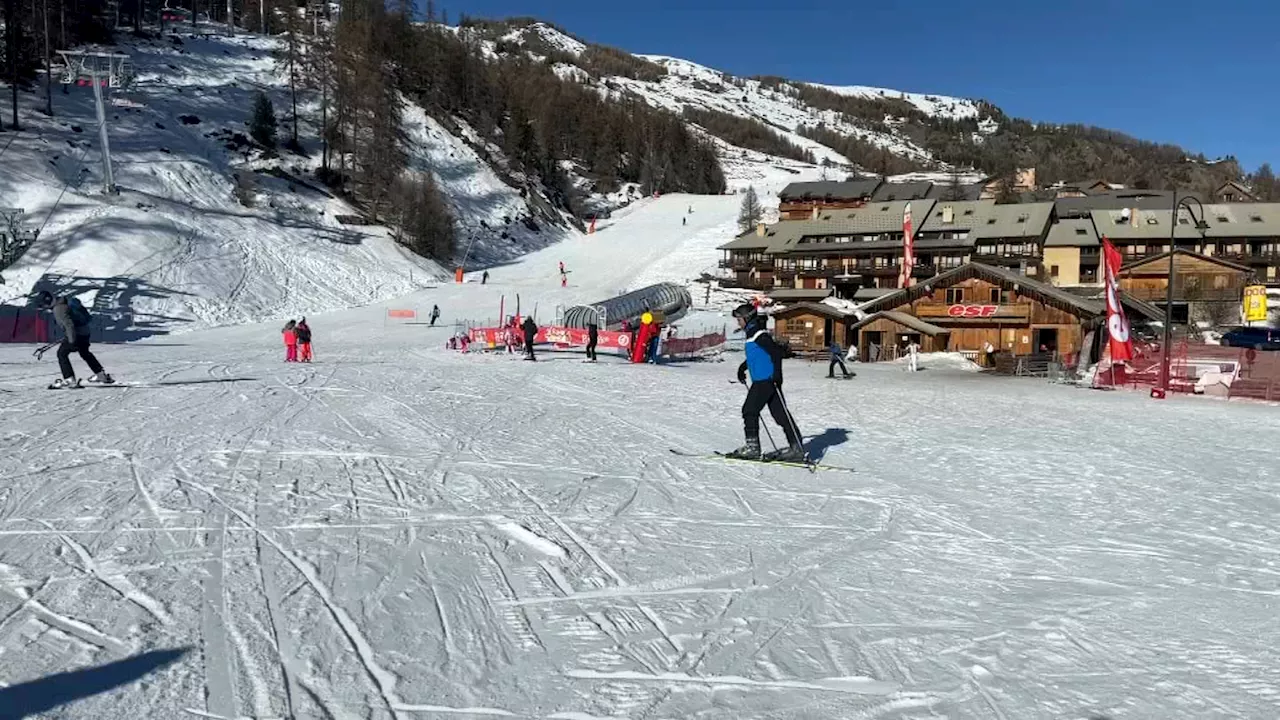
column 688, row 84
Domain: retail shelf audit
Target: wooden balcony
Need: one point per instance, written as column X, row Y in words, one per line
column 1182, row 294
column 1259, row 258
column 741, row 263
column 1030, row 258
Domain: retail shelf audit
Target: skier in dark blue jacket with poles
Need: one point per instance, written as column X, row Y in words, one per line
column 764, row 365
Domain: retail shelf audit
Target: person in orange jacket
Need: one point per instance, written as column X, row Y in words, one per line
column 290, row 333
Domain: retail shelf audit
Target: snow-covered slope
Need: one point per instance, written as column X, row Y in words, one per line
column 400, row 532
column 175, row 249
column 939, row 105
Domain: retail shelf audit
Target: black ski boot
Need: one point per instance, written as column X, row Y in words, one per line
column 794, row 454
column 750, row 451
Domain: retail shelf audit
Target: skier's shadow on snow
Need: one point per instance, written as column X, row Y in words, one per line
column 829, row 438
column 42, row 695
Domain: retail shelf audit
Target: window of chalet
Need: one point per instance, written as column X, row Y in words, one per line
column 1053, row 271
column 1221, row 282
column 955, row 296
column 995, row 296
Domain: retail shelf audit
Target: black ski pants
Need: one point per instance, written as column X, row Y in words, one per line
column 762, row 394
column 831, row 369
column 528, row 347
column 80, row 345
column 592, row 339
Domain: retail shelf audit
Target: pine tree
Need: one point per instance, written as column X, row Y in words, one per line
column 955, row 189
column 290, row 59
column 262, row 126
column 1264, row 184
column 13, row 44
column 422, row 218
column 751, row 211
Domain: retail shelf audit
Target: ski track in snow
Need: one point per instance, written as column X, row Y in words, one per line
column 400, row 531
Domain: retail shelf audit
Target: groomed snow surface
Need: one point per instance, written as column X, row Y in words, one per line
column 398, row 531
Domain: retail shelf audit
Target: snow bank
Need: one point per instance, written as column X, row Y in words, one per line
column 942, row 361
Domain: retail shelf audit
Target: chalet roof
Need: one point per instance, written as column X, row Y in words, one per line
column 872, row 219
column 1005, row 278
column 1140, row 225
column 800, row 293
column 1249, row 219
column 966, row 215
column 1090, row 184
column 1161, row 263
column 1117, row 199
column 832, row 189
column 747, row 241
column 1072, row 232
column 1131, row 304
column 814, row 308
column 1225, row 220
column 1233, row 185
column 905, row 320
column 890, row 191
column 871, row 293
column 967, row 191
column 1015, row 220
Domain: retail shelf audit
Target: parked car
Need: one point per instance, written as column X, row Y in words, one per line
column 1258, row 338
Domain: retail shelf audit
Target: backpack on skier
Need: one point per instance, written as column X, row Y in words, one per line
column 79, row 313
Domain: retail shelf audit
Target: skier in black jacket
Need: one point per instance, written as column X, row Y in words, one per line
column 764, row 365
column 74, row 320
column 530, row 329
column 593, row 336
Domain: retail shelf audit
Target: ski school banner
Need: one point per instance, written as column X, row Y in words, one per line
column 562, row 336
column 1121, row 344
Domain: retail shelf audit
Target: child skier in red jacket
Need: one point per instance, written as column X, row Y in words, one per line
column 290, row 333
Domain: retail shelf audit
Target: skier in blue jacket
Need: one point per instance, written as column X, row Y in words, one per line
column 764, row 365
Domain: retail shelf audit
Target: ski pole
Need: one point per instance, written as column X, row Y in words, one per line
column 790, row 418
column 39, row 353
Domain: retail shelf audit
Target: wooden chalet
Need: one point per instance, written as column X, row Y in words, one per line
column 964, row 309
column 1205, row 288
column 808, row 325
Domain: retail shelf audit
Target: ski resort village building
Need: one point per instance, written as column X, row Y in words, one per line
column 852, row 249
column 973, row 309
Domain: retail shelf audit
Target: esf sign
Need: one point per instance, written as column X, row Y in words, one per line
column 972, row 311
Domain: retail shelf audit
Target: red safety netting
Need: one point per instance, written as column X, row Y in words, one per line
column 22, row 325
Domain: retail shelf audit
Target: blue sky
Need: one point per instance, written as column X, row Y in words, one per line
column 1202, row 75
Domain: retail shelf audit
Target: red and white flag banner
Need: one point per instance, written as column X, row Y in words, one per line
column 1119, row 340
column 908, row 249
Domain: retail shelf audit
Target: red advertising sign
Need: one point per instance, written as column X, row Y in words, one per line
column 972, row 311
column 606, row 339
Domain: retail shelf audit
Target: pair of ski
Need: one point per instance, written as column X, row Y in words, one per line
column 810, row 465
column 80, row 385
